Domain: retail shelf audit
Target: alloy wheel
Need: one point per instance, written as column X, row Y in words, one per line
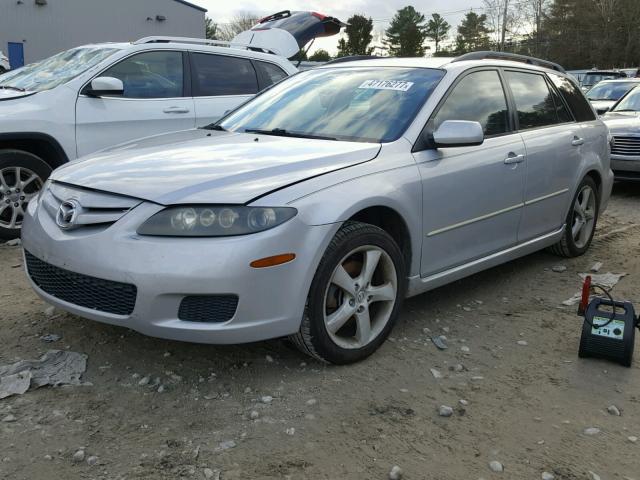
column 18, row 185
column 360, row 297
column 584, row 213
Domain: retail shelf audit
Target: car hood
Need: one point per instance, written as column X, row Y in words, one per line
column 200, row 166
column 622, row 122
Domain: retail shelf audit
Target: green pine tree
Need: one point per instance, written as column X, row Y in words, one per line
column 406, row 34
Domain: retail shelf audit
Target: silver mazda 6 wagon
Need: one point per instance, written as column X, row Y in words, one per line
column 314, row 209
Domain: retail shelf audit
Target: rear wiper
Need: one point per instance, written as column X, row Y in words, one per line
column 281, row 132
column 9, row 87
column 215, row 126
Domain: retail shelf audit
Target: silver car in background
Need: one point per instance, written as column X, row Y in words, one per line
column 623, row 121
column 314, row 209
column 605, row 94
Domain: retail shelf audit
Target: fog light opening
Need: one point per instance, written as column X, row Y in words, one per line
column 273, row 261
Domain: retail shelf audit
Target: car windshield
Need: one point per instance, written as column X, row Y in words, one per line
column 630, row 103
column 610, row 91
column 56, row 70
column 593, row 78
column 352, row 104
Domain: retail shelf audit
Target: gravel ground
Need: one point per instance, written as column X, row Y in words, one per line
column 520, row 399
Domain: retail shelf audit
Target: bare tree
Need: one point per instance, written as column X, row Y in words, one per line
column 238, row 24
column 503, row 17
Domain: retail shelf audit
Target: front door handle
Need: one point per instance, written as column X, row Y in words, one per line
column 577, row 141
column 176, row 110
column 513, row 158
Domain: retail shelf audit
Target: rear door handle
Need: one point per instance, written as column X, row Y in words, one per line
column 513, row 158
column 176, row 110
column 577, row 141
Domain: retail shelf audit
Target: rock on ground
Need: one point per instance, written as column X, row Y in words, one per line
column 395, row 473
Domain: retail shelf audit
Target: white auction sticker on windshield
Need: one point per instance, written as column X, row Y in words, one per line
column 397, row 85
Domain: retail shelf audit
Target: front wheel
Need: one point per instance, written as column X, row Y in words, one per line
column 581, row 221
column 355, row 297
column 21, row 178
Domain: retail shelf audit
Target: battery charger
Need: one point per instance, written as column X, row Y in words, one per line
column 609, row 327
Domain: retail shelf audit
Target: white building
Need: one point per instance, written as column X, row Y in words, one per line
column 31, row 30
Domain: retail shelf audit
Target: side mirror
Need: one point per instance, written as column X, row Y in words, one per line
column 458, row 133
column 602, row 111
column 105, row 86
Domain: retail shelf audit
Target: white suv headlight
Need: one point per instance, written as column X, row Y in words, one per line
column 214, row 221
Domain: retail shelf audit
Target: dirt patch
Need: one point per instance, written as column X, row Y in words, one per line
column 156, row 409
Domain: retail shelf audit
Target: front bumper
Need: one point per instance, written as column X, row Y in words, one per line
column 625, row 167
column 164, row 270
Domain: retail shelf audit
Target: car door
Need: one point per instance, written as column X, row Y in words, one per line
column 156, row 99
column 553, row 143
column 472, row 196
column 220, row 84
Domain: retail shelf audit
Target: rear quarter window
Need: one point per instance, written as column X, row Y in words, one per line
column 576, row 100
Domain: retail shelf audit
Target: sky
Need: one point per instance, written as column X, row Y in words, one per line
column 380, row 10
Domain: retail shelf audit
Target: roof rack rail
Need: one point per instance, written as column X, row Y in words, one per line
column 513, row 57
column 352, row 58
column 203, row 41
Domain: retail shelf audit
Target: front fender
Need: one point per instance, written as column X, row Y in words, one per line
column 399, row 189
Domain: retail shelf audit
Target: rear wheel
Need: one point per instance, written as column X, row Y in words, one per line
column 581, row 221
column 22, row 175
column 355, row 297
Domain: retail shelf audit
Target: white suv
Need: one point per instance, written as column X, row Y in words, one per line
column 96, row 96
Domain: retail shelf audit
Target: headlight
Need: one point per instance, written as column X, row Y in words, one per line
column 214, row 221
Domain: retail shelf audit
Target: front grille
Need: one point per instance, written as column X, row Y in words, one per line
column 628, row 146
column 208, row 308
column 82, row 290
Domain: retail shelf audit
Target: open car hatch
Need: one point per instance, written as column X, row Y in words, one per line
column 287, row 32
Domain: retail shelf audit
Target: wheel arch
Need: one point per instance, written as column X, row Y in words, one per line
column 597, row 178
column 391, row 222
column 40, row 144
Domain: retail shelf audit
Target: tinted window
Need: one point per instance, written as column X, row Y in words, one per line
column 215, row 75
column 575, row 99
column 533, row 100
column 270, row 73
column 478, row 97
column 562, row 111
column 150, row 75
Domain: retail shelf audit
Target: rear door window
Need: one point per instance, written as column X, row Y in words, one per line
column 534, row 102
column 217, row 75
column 564, row 115
column 579, row 105
column 478, row 97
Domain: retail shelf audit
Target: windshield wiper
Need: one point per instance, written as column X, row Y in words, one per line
column 9, row 87
column 215, row 126
column 281, row 132
column 625, row 110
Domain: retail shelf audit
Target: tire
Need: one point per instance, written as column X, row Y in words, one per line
column 23, row 175
column 379, row 299
column 570, row 246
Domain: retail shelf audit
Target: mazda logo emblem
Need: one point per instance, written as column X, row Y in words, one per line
column 68, row 214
